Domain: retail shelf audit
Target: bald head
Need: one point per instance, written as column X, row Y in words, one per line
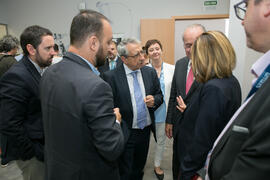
column 190, row 34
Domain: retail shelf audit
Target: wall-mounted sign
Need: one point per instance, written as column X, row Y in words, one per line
column 210, row 5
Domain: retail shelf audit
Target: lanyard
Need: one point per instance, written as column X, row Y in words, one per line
column 263, row 77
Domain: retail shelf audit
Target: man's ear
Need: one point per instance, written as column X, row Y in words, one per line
column 93, row 43
column 31, row 50
column 123, row 59
column 267, row 9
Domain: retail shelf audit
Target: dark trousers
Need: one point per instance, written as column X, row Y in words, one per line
column 175, row 160
column 133, row 159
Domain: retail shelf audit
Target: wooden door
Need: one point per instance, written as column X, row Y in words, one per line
column 163, row 30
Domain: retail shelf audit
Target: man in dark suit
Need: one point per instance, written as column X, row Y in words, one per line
column 82, row 130
column 20, row 121
column 179, row 84
column 113, row 60
column 136, row 91
column 242, row 151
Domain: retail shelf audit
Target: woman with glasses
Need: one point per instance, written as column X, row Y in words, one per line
column 165, row 72
column 213, row 60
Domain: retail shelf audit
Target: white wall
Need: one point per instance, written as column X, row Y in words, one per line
column 124, row 14
column 245, row 56
column 3, row 12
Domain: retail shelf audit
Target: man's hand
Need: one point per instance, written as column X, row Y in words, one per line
column 169, row 130
column 199, row 178
column 181, row 104
column 150, row 101
column 117, row 114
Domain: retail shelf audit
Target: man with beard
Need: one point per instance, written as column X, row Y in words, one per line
column 20, row 121
column 82, row 130
column 113, row 60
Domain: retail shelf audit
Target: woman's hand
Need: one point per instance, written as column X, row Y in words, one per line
column 181, row 105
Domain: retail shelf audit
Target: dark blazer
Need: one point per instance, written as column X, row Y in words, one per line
column 244, row 153
column 6, row 61
column 83, row 139
column 178, row 88
column 121, row 94
column 106, row 66
column 20, row 121
column 204, row 118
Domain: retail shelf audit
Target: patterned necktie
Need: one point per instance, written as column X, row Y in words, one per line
column 140, row 105
column 189, row 80
column 112, row 65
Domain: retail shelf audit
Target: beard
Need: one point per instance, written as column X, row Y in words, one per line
column 100, row 57
column 43, row 62
column 111, row 56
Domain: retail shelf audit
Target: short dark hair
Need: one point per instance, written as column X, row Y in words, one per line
column 56, row 48
column 86, row 23
column 150, row 43
column 33, row 35
column 7, row 43
column 113, row 42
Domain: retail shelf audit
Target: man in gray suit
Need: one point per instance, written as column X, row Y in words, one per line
column 242, row 151
column 82, row 130
column 182, row 69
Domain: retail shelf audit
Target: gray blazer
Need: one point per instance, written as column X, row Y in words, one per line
column 244, row 153
column 83, row 139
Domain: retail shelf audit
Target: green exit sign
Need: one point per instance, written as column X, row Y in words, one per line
column 210, row 3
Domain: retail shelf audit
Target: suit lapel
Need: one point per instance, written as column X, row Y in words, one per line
column 33, row 71
column 184, row 78
column 106, row 65
column 122, row 78
column 145, row 81
column 220, row 144
column 193, row 87
column 118, row 61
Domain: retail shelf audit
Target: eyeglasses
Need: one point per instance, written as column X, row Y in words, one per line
column 142, row 52
column 240, row 9
column 187, row 45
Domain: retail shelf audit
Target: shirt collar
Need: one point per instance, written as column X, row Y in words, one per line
column 90, row 65
column 259, row 66
column 39, row 69
column 128, row 71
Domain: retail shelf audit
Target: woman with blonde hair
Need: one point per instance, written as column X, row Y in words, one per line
column 213, row 59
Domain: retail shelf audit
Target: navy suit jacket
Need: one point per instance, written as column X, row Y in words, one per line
column 178, row 88
column 244, row 152
column 20, row 121
column 106, row 66
column 206, row 115
column 121, row 94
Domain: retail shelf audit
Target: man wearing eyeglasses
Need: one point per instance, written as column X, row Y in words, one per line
column 242, row 151
column 137, row 93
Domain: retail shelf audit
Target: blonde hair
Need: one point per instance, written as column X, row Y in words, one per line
column 212, row 56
